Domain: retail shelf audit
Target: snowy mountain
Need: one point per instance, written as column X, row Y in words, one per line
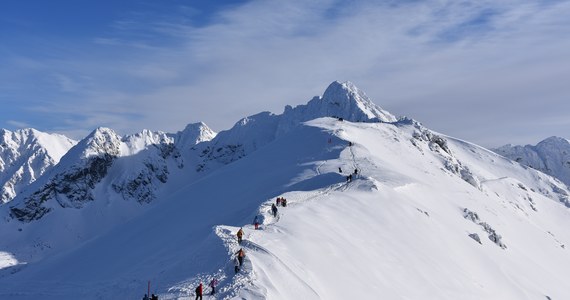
column 25, row 155
column 340, row 100
column 142, row 162
column 425, row 216
column 551, row 156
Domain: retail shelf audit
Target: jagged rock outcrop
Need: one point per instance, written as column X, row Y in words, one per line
column 438, row 144
column 492, row 234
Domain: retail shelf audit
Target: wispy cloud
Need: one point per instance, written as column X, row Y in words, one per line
column 18, row 125
column 455, row 65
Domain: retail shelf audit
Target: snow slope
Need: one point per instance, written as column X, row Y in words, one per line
column 551, row 156
column 426, row 217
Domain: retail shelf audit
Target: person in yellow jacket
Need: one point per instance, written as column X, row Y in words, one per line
column 240, row 235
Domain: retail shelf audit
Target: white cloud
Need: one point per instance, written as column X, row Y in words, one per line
column 463, row 67
column 18, row 124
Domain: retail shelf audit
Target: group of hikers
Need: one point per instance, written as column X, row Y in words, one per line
column 281, row 201
column 240, row 254
column 349, row 177
column 238, row 260
column 200, row 288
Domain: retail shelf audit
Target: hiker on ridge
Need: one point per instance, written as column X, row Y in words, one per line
column 239, row 235
column 240, row 255
column 256, row 222
column 213, row 285
column 199, row 290
column 274, row 210
column 236, row 264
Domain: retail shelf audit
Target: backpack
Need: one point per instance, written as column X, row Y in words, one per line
column 197, row 290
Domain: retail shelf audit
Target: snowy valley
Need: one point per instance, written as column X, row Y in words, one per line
column 425, row 215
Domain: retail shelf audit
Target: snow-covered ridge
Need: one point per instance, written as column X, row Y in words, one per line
column 551, row 156
column 87, row 164
column 25, row 155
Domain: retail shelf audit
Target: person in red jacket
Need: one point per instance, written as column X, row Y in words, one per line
column 199, row 292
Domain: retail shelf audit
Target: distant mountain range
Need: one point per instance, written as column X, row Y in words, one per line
column 25, row 155
column 551, row 156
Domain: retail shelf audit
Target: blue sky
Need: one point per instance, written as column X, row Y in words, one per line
column 491, row 72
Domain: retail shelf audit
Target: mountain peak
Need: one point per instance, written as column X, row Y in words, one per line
column 101, row 141
column 337, row 87
column 342, row 100
column 554, row 140
column 193, row 134
column 352, row 104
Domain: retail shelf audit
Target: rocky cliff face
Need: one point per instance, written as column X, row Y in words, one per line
column 81, row 169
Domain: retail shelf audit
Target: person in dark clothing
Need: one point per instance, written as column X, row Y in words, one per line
column 256, row 222
column 355, row 171
column 213, row 285
column 199, row 292
column 145, row 297
column 274, row 210
column 154, row 297
column 284, row 202
column 236, row 264
column 339, row 170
